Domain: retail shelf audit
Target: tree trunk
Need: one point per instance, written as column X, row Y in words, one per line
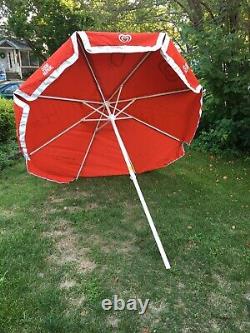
column 195, row 13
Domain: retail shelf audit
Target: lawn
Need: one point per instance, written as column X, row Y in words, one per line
column 64, row 248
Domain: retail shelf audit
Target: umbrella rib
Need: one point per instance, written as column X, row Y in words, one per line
column 97, row 119
column 117, row 100
column 93, row 108
column 61, row 133
column 93, row 75
column 124, row 108
column 122, row 118
column 92, row 139
column 79, row 101
column 130, row 74
column 94, row 119
column 153, row 95
column 107, row 122
column 118, row 113
column 153, row 127
column 88, row 149
column 68, row 99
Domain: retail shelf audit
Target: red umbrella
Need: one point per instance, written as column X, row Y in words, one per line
column 108, row 104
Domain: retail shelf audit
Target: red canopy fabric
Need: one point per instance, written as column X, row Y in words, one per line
column 63, row 110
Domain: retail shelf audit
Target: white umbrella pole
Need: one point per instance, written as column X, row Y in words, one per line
column 139, row 192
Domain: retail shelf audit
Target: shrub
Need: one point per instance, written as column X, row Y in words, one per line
column 216, row 139
column 7, row 121
column 221, row 62
column 8, row 153
column 8, row 143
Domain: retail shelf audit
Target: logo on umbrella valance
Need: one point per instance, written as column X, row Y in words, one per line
column 46, row 68
column 125, row 38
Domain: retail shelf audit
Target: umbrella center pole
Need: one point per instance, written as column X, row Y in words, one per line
column 139, row 192
column 112, row 118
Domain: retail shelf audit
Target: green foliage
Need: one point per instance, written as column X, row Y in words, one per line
column 219, row 57
column 224, row 71
column 216, row 139
column 7, row 122
column 8, row 153
column 58, row 265
column 214, row 36
column 125, row 15
column 8, row 144
column 45, row 24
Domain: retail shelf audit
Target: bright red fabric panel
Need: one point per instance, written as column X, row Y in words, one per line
column 61, row 159
column 105, row 155
column 177, row 115
column 120, row 39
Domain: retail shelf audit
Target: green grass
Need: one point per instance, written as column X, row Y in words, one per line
column 64, row 248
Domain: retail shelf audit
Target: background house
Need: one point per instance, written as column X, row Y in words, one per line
column 16, row 58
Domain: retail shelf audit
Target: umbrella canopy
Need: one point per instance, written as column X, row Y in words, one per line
column 107, row 104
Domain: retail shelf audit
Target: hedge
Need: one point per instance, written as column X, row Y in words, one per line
column 8, row 144
column 7, row 121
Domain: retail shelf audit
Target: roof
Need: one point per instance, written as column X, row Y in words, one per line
column 14, row 43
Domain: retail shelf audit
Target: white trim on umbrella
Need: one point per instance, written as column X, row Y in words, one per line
column 54, row 75
column 163, row 42
column 23, row 125
column 176, row 68
column 120, row 48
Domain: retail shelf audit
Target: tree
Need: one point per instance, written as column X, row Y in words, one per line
column 214, row 35
column 45, row 24
column 220, row 46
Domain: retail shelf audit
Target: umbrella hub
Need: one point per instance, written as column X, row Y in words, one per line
column 107, row 105
column 111, row 117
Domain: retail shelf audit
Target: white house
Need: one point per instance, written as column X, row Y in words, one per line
column 16, row 58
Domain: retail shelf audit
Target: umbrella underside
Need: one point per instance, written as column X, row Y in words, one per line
column 71, row 136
